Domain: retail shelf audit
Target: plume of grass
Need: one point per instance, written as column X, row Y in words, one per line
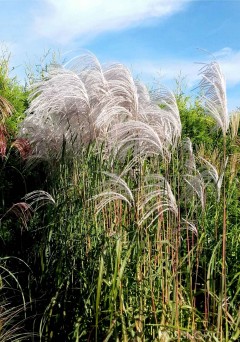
column 38, row 198
column 154, row 129
column 211, row 174
column 166, row 99
column 197, row 185
column 136, row 135
column 190, row 162
column 23, row 147
column 6, row 109
column 234, row 123
column 189, row 226
column 83, row 101
column 214, row 99
column 114, row 189
column 24, row 210
column 156, row 199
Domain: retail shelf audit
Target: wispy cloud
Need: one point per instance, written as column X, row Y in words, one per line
column 169, row 69
column 65, row 20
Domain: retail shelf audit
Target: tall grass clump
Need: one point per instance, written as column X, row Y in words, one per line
column 141, row 242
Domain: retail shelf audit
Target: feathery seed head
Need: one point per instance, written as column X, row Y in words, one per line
column 214, row 99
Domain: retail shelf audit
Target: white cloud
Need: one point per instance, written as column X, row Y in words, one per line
column 169, row 69
column 63, row 20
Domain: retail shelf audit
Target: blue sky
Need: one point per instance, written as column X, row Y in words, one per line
column 156, row 39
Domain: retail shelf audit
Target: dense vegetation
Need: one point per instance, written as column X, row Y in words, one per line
column 119, row 208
